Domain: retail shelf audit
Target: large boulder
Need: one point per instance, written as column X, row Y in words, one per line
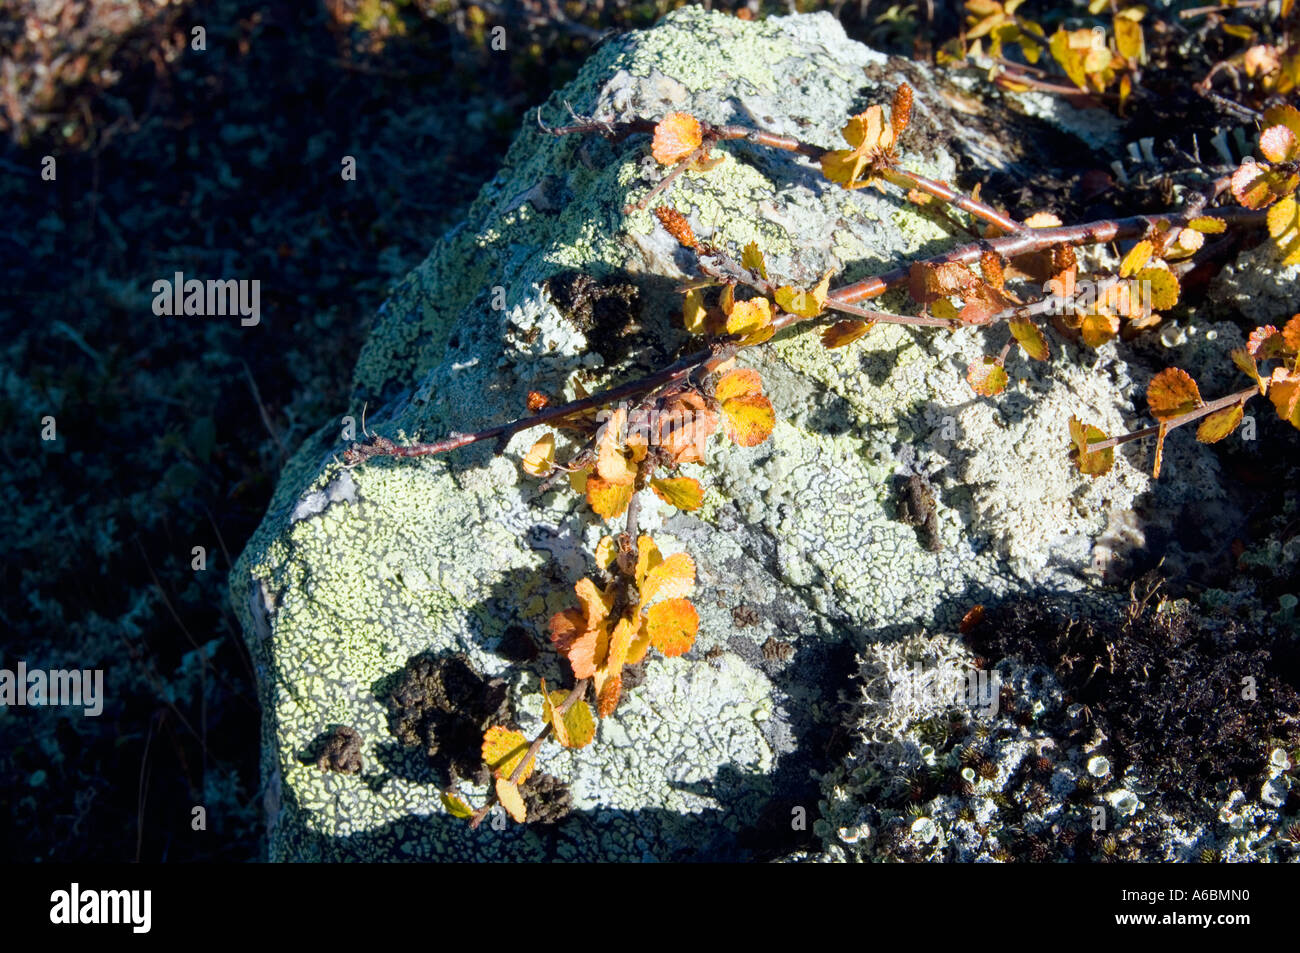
column 394, row 609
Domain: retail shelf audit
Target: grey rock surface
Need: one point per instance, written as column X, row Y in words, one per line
column 799, row 544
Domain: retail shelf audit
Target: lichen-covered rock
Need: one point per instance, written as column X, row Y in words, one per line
column 803, row 560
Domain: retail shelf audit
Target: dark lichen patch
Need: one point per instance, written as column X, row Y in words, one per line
column 1193, row 703
column 337, row 749
column 442, row 705
column 607, row 311
column 775, row 650
column 916, row 507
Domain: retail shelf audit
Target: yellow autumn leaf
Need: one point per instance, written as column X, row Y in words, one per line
column 455, row 805
column 606, row 552
column 1162, row 285
column 740, row 382
column 1136, row 259
column 944, row 308
column 608, row 500
column 613, row 464
column 1219, row 424
column 806, row 304
column 647, row 558
column 1284, row 225
column 503, row 750
column 752, row 259
column 1249, row 366
column 748, row 420
column 672, row 626
column 749, row 317
column 684, row 493
column 1128, row 33
column 1098, row 328
column 540, row 458
column 1208, row 225
column 1030, row 338
column 640, row 644
column 1090, row 462
column 694, row 312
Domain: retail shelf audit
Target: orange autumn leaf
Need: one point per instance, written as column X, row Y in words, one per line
column 677, row 135
column 672, row 626
column 1291, row 333
column 845, row 332
column 676, row 225
column 1171, row 393
column 607, row 697
column 684, row 424
column 1284, row 392
column 672, row 578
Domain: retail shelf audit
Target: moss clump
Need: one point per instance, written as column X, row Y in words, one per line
column 1186, row 700
column 443, row 706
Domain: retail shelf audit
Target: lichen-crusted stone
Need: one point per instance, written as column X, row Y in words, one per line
column 353, row 573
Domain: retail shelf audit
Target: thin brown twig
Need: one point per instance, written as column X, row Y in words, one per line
column 1240, row 397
